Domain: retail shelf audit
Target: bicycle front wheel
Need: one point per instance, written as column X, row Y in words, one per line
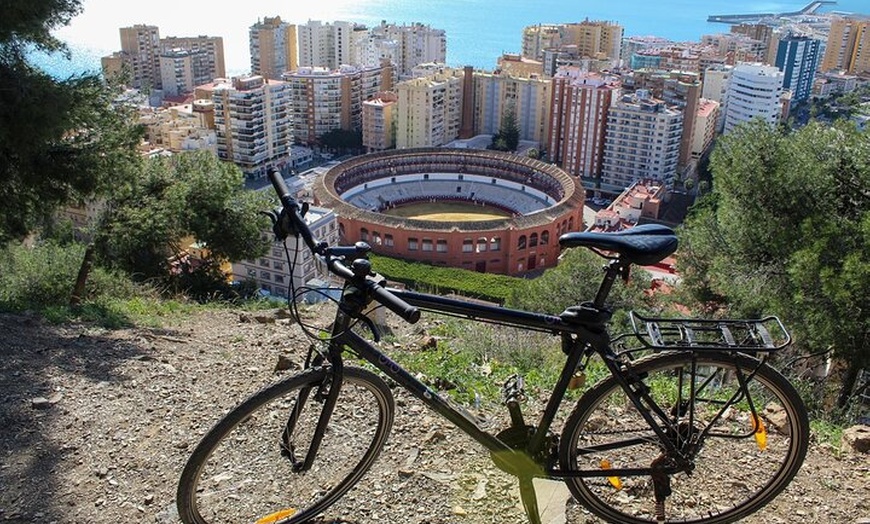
column 245, row 469
column 751, row 424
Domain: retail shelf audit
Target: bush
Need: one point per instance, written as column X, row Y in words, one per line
column 487, row 286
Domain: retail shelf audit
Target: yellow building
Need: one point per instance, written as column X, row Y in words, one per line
column 848, row 46
column 495, row 94
column 379, row 122
column 430, row 109
column 273, row 48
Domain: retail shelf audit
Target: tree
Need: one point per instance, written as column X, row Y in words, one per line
column 575, row 280
column 60, row 140
column 508, row 136
column 786, row 231
column 188, row 195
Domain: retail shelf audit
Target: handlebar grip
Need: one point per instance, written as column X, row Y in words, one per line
column 395, row 304
column 281, row 188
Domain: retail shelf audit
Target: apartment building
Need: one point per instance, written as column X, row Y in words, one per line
column 517, row 65
column 594, row 38
column 138, row 62
column 537, row 38
column 379, row 122
column 430, row 109
column 579, row 108
column 798, row 58
column 848, row 46
column 715, row 88
column 322, row 100
column 642, row 141
column 252, row 122
column 272, row 274
column 406, row 45
column 145, row 59
column 273, row 47
column 496, row 94
column 705, row 128
column 181, row 70
column 329, row 45
column 763, row 33
column 754, row 91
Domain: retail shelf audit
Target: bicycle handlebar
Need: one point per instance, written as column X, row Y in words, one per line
column 409, row 313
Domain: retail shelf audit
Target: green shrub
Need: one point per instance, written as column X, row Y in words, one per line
column 435, row 279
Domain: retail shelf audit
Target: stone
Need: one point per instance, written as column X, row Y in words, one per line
column 777, row 417
column 856, row 438
column 284, row 363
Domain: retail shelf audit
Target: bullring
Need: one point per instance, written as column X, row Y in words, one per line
column 526, row 205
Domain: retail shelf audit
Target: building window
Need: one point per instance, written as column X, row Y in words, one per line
column 388, row 240
column 364, row 234
column 265, row 275
column 276, row 252
column 441, row 246
column 252, row 272
column 467, row 245
column 427, row 244
column 494, row 244
column 412, row 244
column 279, row 279
column 264, row 262
column 521, row 243
column 545, row 238
column 481, row 245
column 533, row 240
column 376, row 238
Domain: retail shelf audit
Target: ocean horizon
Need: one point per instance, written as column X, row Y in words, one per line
column 478, row 31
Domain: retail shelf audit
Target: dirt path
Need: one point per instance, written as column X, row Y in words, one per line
column 95, row 426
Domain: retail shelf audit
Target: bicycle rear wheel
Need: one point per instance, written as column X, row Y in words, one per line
column 743, row 463
column 241, row 471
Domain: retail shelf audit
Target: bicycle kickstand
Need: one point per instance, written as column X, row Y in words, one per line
column 530, row 499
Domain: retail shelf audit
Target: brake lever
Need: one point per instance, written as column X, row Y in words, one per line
column 376, row 335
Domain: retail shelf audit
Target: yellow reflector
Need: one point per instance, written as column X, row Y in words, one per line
column 275, row 517
column 760, row 432
column 614, row 481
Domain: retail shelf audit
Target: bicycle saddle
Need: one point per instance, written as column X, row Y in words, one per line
column 643, row 245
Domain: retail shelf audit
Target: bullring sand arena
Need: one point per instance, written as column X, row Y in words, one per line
column 481, row 210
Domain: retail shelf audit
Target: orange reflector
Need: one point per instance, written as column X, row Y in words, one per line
column 275, row 517
column 760, row 432
column 614, row 481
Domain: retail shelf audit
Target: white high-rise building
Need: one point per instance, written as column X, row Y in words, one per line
column 252, row 122
column 328, row 45
column 642, row 140
column 411, row 45
column 754, row 91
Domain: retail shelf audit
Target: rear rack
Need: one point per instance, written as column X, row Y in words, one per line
column 766, row 334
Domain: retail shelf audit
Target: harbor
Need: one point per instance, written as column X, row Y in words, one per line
column 809, row 9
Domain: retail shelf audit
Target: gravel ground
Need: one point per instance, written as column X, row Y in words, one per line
column 95, row 426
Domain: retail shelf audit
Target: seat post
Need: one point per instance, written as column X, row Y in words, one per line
column 614, row 269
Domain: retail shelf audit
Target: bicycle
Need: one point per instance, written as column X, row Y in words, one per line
column 642, row 445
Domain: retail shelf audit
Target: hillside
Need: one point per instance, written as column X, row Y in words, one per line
column 95, row 426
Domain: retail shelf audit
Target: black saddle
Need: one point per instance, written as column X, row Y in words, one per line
column 643, row 245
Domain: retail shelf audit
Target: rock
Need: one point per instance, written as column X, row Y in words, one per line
column 777, row 417
column 264, row 319
column 40, row 403
column 284, row 363
column 283, row 313
column 428, row 342
column 460, row 511
column 856, row 438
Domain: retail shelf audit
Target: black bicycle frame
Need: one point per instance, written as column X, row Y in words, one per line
column 577, row 340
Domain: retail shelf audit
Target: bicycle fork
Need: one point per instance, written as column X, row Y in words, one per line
column 327, row 393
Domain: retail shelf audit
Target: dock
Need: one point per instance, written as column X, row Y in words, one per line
column 810, row 9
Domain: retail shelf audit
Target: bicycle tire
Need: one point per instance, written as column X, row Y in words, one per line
column 237, row 472
column 713, row 494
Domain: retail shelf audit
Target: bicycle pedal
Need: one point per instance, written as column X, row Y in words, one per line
column 578, row 380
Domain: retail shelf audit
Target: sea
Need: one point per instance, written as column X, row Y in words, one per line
column 478, row 31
